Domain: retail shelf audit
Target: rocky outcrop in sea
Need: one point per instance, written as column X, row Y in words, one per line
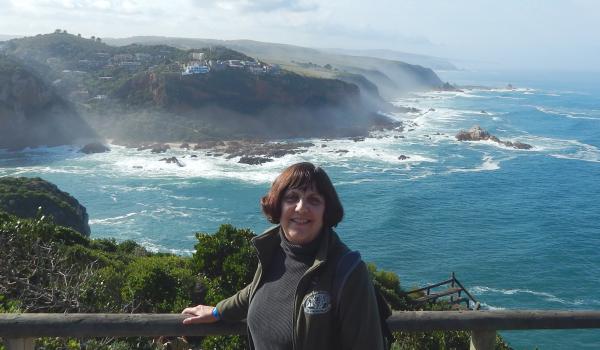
column 476, row 133
column 94, row 147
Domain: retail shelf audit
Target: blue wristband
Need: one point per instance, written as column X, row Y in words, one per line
column 215, row 314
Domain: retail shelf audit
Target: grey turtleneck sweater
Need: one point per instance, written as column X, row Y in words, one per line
column 271, row 312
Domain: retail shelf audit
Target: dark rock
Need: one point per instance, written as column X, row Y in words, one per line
column 431, row 110
column 173, row 160
column 24, row 197
column 403, row 157
column 448, row 87
column 207, row 144
column 160, row 148
column 194, row 156
column 94, row 147
column 521, row 145
column 252, row 160
column 185, row 145
column 357, row 138
column 476, row 133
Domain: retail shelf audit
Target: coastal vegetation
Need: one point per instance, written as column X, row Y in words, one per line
column 45, row 267
column 31, row 197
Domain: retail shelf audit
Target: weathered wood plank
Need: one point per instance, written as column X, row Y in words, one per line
column 153, row 325
column 108, row 325
column 439, row 294
column 483, row 340
column 493, row 320
column 19, row 343
column 430, row 286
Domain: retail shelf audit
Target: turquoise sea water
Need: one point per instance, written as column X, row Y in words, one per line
column 521, row 229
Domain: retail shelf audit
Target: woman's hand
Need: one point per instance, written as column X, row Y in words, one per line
column 200, row 314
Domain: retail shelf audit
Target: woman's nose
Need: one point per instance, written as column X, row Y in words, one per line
column 300, row 205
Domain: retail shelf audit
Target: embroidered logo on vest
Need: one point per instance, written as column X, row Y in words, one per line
column 317, row 302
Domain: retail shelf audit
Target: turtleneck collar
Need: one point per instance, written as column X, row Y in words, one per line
column 301, row 252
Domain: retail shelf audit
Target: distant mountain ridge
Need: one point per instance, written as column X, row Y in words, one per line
column 410, row 58
column 401, row 76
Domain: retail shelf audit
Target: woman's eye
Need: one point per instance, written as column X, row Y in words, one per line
column 315, row 200
column 291, row 198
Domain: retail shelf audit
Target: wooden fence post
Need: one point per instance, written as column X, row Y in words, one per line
column 483, row 340
column 19, row 343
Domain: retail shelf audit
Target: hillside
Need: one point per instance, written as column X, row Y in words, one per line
column 32, row 113
column 23, row 196
column 403, row 76
column 157, row 92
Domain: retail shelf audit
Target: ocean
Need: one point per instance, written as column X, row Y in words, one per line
column 520, row 228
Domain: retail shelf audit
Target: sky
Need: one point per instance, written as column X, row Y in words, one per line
column 510, row 34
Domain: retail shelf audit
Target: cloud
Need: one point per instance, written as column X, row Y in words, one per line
column 251, row 6
column 280, row 5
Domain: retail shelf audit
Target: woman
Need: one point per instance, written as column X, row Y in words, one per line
column 292, row 301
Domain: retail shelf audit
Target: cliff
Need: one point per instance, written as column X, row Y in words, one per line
column 231, row 104
column 23, row 196
column 32, row 113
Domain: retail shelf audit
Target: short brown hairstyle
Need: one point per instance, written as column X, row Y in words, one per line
column 303, row 176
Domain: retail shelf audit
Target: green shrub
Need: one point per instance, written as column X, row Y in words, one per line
column 226, row 260
column 158, row 284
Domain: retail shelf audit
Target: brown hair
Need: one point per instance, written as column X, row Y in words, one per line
column 303, row 176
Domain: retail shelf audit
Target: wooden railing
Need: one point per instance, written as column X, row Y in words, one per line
column 19, row 330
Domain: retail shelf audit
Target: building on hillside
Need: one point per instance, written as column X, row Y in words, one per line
column 195, row 68
column 239, row 64
column 122, row 57
column 216, row 65
column 197, row 56
column 143, row 57
column 131, row 65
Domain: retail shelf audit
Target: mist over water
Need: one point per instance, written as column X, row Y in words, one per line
column 519, row 227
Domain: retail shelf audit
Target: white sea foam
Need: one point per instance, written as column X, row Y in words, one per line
column 488, row 164
column 485, row 306
column 155, row 248
column 510, row 97
column 565, row 149
column 480, row 290
column 115, row 219
column 566, row 113
column 580, row 155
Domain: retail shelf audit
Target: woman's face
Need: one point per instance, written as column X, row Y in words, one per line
column 302, row 215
